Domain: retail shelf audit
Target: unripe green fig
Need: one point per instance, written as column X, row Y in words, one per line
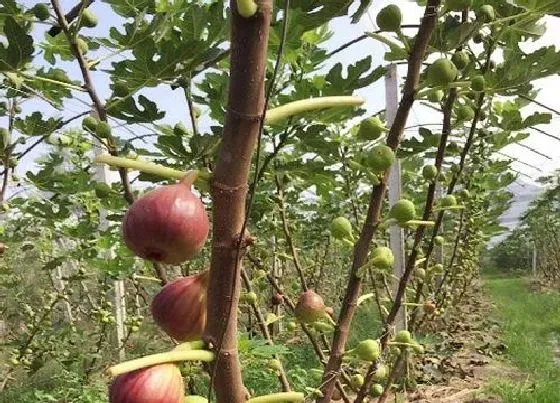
column 478, row 83
column 249, row 298
column 341, row 228
column 322, row 327
column 376, row 390
column 368, row 350
column 356, row 381
column 370, row 129
column 120, row 90
column 389, row 18
column 380, row 158
column 436, row 96
column 418, row 348
column 403, row 211
column 274, row 364
column 382, row 258
column 485, row 13
column 438, row 268
column 82, row 46
column 403, row 336
column 103, row 130
column 442, row 72
column 458, row 5
column 453, row 147
column 439, row 240
column 90, row 123
column 291, row 326
column 460, row 59
column 429, row 172
column 464, row 194
column 89, row 19
column 41, row 11
column 180, row 130
column 420, row 273
column 64, row 140
column 261, row 273
column 464, row 113
column 380, row 373
column 448, row 201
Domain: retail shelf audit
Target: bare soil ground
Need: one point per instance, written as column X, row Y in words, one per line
column 454, row 369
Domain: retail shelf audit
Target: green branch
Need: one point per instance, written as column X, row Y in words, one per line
column 161, row 358
column 283, row 112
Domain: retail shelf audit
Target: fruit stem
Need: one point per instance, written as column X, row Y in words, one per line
column 160, row 358
column 412, row 304
column 384, row 40
column 142, row 166
column 277, row 115
column 419, row 222
column 279, row 397
column 246, row 8
column 49, row 80
column 190, row 345
column 147, row 278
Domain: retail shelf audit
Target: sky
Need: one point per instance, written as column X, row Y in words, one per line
column 174, row 104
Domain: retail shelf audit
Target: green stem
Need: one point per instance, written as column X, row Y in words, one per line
column 386, row 41
column 246, row 8
column 147, row 278
column 190, row 345
column 147, row 167
column 161, row 358
column 48, row 80
column 419, row 222
column 277, row 115
column 279, row 398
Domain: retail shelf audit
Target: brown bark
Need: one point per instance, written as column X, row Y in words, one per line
column 361, row 249
column 249, row 38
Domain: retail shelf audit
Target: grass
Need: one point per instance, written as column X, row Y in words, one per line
column 529, row 322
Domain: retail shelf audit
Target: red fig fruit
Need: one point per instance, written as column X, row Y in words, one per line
column 158, row 384
column 277, row 299
column 180, row 307
column 168, row 224
column 310, row 307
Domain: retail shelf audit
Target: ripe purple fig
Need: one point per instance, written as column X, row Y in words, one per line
column 310, row 307
column 167, row 225
column 158, row 384
column 277, row 299
column 180, row 307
